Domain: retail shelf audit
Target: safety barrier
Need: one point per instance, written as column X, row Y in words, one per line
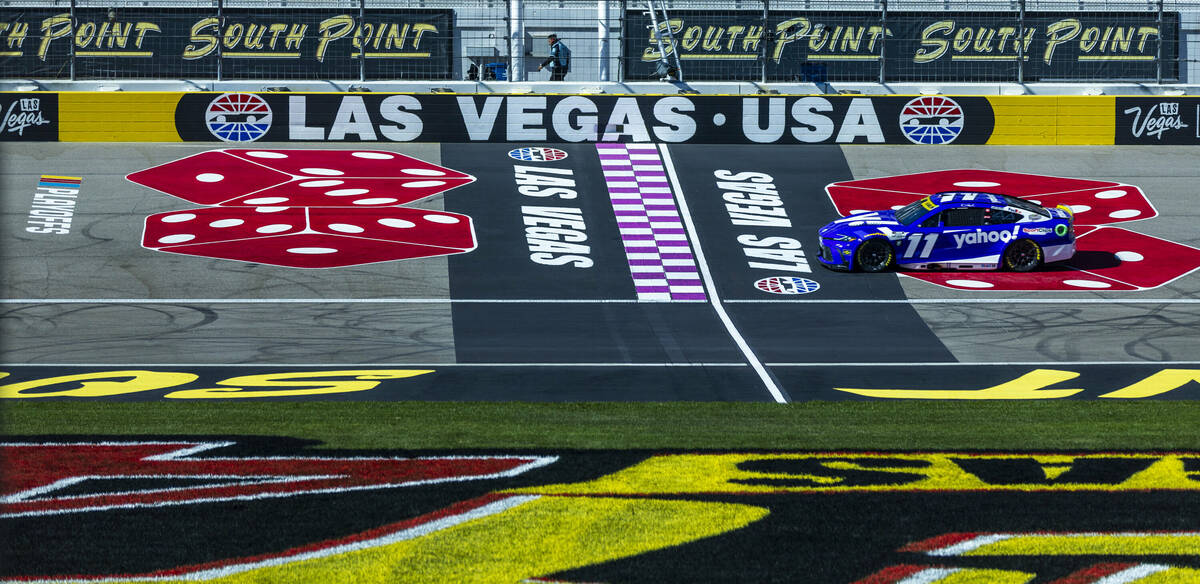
column 243, row 118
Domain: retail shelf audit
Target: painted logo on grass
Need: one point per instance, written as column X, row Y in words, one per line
column 238, row 117
column 1107, row 258
column 931, row 120
column 305, row 208
column 258, row 510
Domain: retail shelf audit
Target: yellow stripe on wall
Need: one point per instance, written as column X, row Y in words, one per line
column 87, row 116
column 1053, row 120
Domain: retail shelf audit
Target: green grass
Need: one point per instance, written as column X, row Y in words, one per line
column 1009, row 425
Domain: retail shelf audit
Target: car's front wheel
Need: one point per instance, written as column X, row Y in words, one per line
column 1022, row 256
column 874, row 255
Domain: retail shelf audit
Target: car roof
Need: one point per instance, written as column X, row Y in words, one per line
column 969, row 199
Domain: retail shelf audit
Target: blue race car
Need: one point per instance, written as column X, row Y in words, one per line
column 955, row 230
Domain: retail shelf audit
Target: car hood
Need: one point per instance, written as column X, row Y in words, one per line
column 862, row 224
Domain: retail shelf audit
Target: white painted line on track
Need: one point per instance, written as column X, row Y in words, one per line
column 332, row 301
column 706, row 274
column 967, row 301
column 984, row 364
column 373, row 365
column 590, row 301
column 427, row 365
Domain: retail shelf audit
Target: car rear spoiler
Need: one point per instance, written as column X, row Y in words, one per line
column 1069, row 212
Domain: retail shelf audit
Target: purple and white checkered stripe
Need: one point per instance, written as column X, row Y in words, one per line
column 656, row 243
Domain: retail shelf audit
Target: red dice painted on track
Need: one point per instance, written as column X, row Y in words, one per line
column 301, row 237
column 305, row 208
column 300, row 178
column 1106, row 258
column 1094, row 202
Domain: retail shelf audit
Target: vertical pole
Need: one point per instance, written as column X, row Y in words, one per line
column 362, row 51
column 883, row 41
column 516, row 40
column 1158, row 62
column 762, row 58
column 220, row 29
column 624, row 33
column 71, row 45
column 602, row 19
column 1021, row 42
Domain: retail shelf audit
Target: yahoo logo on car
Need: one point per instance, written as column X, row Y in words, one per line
column 981, row 236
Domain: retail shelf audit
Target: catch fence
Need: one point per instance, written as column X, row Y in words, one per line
column 881, row 41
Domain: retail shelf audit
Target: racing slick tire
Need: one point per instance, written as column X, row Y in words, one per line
column 874, row 255
column 1022, row 255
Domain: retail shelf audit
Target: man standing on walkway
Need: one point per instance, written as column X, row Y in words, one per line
column 559, row 60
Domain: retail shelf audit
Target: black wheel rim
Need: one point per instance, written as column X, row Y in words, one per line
column 874, row 256
column 1023, row 255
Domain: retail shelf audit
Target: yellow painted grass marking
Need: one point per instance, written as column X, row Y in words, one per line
column 538, row 538
column 1078, row 544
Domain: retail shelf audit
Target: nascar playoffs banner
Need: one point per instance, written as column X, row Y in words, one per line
column 248, row 117
column 1158, row 120
column 930, row 46
column 252, row 44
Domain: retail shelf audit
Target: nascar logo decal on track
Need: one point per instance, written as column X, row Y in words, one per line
column 537, row 154
column 787, row 285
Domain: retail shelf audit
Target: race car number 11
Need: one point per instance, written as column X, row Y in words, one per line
column 914, row 241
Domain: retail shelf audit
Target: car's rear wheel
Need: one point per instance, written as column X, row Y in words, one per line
column 874, row 255
column 1022, row 255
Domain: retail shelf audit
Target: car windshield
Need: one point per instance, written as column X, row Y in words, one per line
column 913, row 211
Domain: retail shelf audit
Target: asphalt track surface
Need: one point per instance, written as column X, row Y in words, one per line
column 96, row 299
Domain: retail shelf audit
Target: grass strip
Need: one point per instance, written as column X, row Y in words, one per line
column 923, row 425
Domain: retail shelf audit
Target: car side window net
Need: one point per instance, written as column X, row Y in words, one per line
column 999, row 217
column 932, row 221
column 969, row 217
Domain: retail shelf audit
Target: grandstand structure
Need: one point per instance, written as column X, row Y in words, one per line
column 709, row 46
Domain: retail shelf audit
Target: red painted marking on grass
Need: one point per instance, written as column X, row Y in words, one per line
column 892, row 574
column 939, row 542
column 1093, row 573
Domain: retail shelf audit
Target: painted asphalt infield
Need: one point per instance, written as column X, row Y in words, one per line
column 677, row 273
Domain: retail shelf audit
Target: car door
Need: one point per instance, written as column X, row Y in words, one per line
column 961, row 236
column 921, row 240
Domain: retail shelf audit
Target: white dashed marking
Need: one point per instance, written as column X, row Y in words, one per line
column 274, row 228
column 210, row 177
column 970, row 283
column 398, row 223
column 179, row 218
column 321, row 183
column 346, row 228
column 177, row 238
column 423, row 172
column 1130, row 256
column 312, row 250
column 976, row 184
column 322, row 171
column 376, row 201
column 270, row 209
column 226, row 223
column 1124, row 213
column 374, row 155
column 1087, row 284
column 420, row 184
column 265, row 154
column 265, row 200
column 444, row 219
column 347, row 192
column 1111, row 194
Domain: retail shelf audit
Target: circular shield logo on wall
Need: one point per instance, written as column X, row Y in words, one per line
column 537, row 154
column 787, row 285
column 238, row 117
column 932, row 119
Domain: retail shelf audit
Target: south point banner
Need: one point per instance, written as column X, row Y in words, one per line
column 928, row 46
column 277, row 43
